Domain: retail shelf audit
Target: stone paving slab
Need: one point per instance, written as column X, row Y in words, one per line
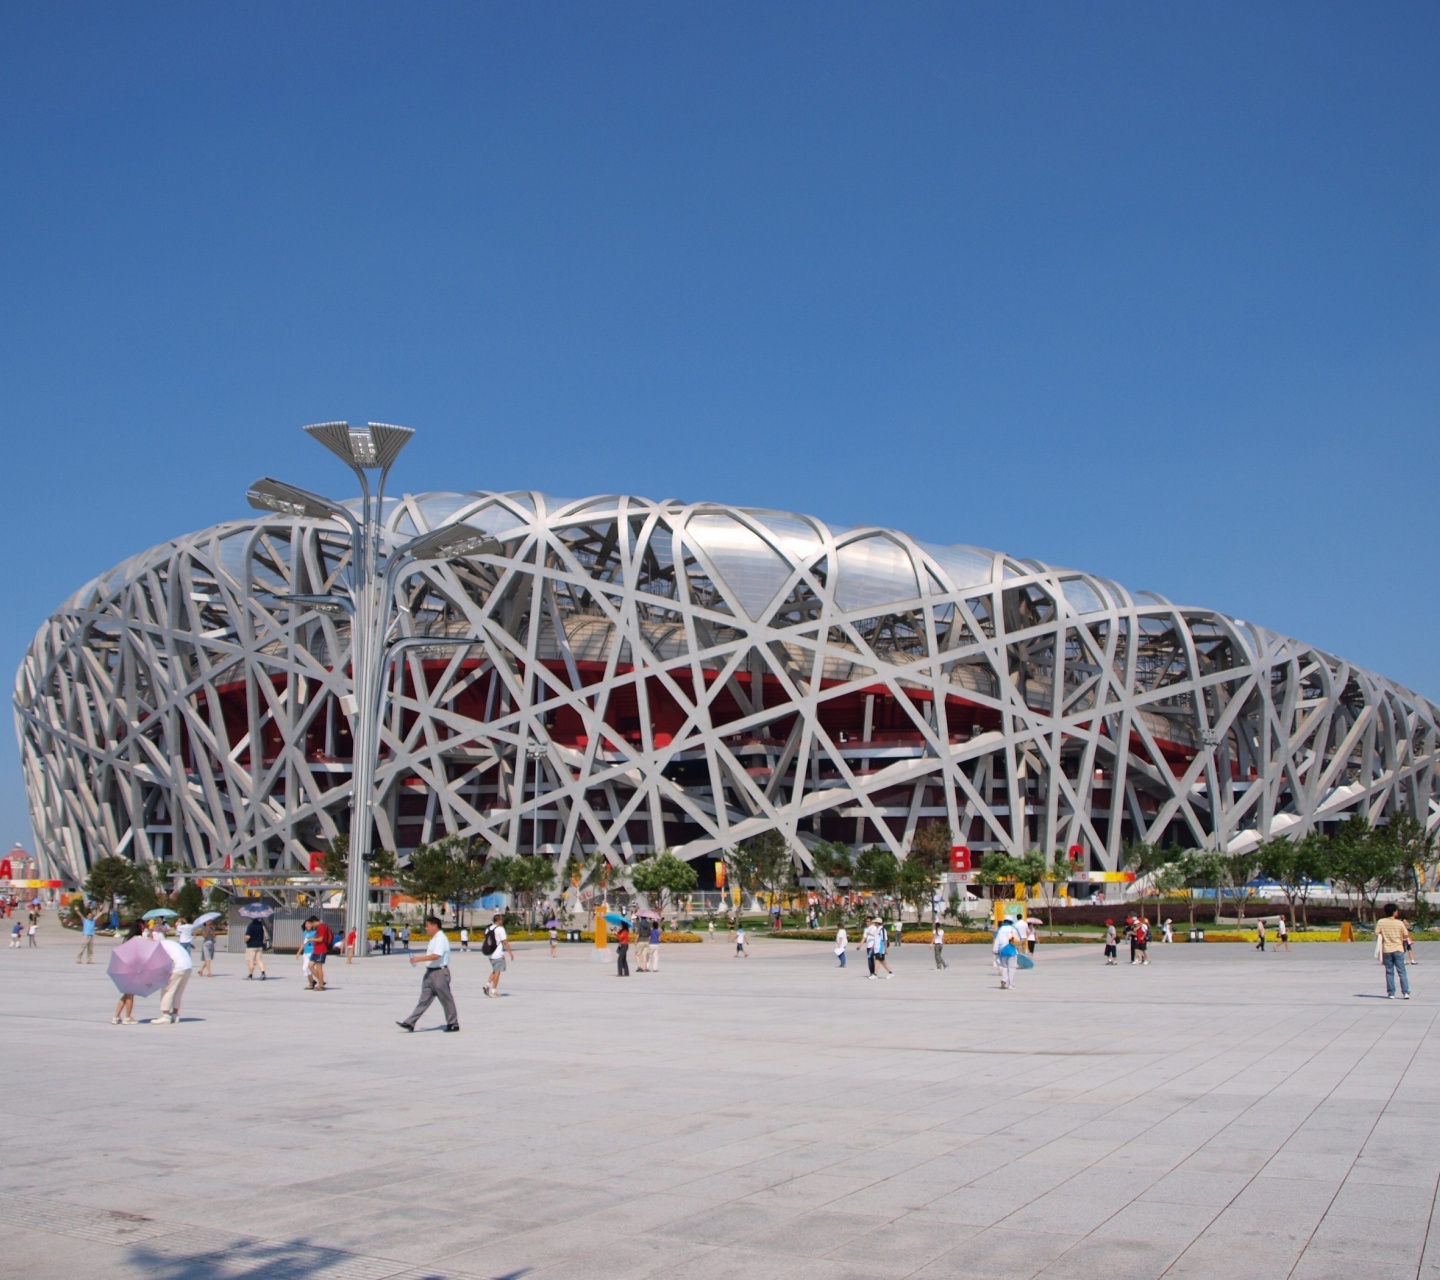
column 1219, row 1113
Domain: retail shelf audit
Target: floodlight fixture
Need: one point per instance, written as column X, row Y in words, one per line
column 330, row 606
column 374, row 446
column 268, row 494
column 451, row 540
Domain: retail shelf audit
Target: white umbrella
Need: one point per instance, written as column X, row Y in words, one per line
column 206, row 918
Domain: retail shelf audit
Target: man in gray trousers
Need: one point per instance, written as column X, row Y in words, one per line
column 436, row 982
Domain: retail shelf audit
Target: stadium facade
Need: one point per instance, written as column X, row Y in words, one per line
column 633, row 675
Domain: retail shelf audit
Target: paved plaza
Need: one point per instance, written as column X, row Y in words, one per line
column 1219, row 1114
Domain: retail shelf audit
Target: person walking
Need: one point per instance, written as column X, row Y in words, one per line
column 435, row 981
column 842, row 945
column 185, row 935
column 740, row 948
column 320, row 947
column 654, row 955
column 1391, row 935
column 872, row 932
column 15, row 934
column 1260, row 935
column 1032, row 939
column 555, row 938
column 464, row 940
column 882, row 945
column 1112, row 950
column 206, row 941
column 33, row 929
column 175, row 986
column 622, row 952
column 937, row 940
column 387, row 940
column 1167, row 934
column 125, row 1006
column 350, row 947
column 255, row 949
column 497, row 946
column 87, row 938
column 405, row 938
column 1005, row 947
column 1142, row 939
column 307, row 944
column 1282, row 935
column 642, row 947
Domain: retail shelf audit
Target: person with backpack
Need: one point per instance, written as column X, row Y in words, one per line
column 496, row 946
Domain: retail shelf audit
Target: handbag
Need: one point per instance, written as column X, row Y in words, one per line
column 1379, row 947
column 1024, row 962
column 1008, row 952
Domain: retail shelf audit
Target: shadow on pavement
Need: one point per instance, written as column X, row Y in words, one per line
column 272, row 1260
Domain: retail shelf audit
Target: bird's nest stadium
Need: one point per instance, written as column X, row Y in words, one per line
column 627, row 675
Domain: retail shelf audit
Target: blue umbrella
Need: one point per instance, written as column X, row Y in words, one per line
column 160, row 913
column 612, row 918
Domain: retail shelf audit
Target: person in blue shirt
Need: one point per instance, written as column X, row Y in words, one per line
column 87, row 944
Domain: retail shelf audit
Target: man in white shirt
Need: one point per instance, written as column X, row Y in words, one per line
column 179, row 976
column 498, row 943
column 435, row 984
column 870, row 937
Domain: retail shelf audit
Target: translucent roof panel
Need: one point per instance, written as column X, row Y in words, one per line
column 873, row 572
column 747, row 568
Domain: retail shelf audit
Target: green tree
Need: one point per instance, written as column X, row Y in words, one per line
column 930, row 852
column 529, row 878
column 877, row 870
column 1295, row 865
column 997, row 868
column 663, row 878
column 835, row 860
column 469, row 872
column 335, row 859
column 1415, row 850
column 190, row 901
column 1365, row 859
column 771, row 865
column 110, row 879
column 430, row 875
column 1206, row 870
column 1240, row 869
column 1146, row 861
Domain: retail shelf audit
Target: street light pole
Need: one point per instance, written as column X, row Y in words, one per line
column 534, row 752
column 373, row 447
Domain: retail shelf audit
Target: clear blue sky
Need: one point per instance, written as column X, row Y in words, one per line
column 1148, row 290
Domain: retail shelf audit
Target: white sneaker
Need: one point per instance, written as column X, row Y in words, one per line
column 874, row 976
column 888, row 976
column 1406, row 996
column 114, row 1022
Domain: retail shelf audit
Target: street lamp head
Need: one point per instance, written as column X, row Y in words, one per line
column 287, row 499
column 451, row 540
column 374, row 446
column 330, row 606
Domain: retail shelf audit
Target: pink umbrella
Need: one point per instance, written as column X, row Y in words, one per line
column 140, row 967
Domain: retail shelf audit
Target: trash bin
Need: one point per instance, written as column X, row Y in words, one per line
column 1201, row 938
column 1193, row 936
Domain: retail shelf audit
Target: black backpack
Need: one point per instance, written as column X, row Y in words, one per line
column 488, row 946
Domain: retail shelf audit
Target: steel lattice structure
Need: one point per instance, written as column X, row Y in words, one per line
column 693, row 674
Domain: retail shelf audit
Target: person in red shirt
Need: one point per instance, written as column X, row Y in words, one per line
column 324, row 940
